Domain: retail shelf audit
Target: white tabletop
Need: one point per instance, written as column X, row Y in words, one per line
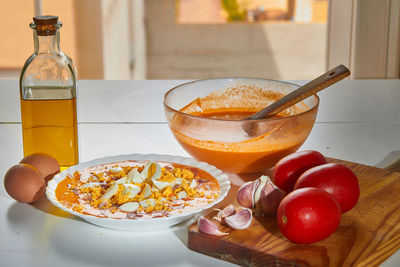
column 358, row 120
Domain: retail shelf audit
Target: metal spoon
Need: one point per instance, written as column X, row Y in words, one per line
column 325, row 80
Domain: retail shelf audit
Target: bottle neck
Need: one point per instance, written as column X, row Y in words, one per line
column 49, row 44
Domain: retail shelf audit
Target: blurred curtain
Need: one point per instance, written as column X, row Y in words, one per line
column 364, row 35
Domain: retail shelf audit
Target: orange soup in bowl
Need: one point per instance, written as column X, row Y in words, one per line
column 210, row 127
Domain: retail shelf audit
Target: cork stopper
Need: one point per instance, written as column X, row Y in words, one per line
column 46, row 25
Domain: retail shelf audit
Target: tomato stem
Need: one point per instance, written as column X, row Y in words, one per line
column 284, row 219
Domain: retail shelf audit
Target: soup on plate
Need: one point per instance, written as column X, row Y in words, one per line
column 137, row 189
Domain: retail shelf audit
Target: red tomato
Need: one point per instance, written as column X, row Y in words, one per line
column 288, row 169
column 308, row 215
column 336, row 179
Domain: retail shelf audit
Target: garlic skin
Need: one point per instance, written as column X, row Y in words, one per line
column 240, row 220
column 225, row 212
column 271, row 197
column 207, row 227
column 245, row 194
column 257, row 194
column 260, row 195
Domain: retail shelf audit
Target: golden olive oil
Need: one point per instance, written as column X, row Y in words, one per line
column 50, row 126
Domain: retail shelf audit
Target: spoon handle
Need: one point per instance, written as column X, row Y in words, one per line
column 327, row 79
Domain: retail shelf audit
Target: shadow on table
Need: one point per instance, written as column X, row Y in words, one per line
column 45, row 205
column 83, row 244
column 96, row 246
column 19, row 212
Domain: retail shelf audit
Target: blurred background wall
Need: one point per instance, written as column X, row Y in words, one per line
column 275, row 47
column 16, row 43
column 196, row 39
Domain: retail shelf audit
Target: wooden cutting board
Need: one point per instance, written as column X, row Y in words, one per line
column 367, row 235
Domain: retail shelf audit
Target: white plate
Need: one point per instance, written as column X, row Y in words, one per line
column 139, row 224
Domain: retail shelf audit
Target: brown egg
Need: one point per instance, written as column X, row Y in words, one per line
column 24, row 183
column 46, row 164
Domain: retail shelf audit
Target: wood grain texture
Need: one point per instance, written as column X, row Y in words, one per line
column 367, row 235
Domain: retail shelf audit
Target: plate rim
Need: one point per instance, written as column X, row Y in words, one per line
column 218, row 174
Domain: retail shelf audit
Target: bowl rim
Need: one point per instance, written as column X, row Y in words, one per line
column 238, row 78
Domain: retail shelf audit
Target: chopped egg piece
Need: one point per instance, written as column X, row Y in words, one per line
column 131, row 190
column 167, row 192
column 193, row 184
column 110, row 192
column 151, row 170
column 93, row 184
column 147, row 202
column 135, row 177
column 129, row 206
column 116, row 169
column 182, row 194
column 123, row 180
column 177, row 181
column 146, row 191
column 160, row 185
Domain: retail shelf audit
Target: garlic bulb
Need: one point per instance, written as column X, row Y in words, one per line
column 260, row 195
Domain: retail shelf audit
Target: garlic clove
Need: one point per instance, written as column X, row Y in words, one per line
column 245, row 194
column 264, row 195
column 271, row 197
column 227, row 211
column 240, row 220
column 207, row 227
column 257, row 194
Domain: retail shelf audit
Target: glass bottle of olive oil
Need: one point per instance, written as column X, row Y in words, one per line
column 48, row 96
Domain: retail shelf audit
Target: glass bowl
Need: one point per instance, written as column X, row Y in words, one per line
column 196, row 114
